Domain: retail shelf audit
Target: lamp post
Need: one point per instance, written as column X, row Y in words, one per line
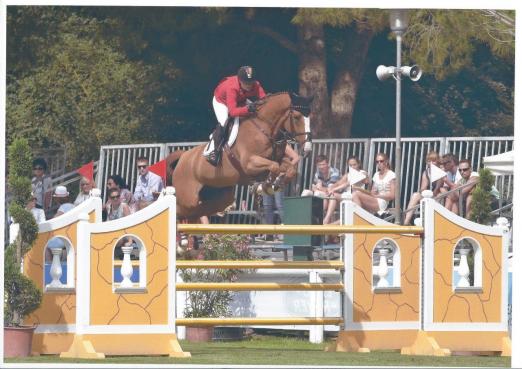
column 398, row 24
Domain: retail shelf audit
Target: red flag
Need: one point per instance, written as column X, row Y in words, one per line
column 87, row 171
column 160, row 168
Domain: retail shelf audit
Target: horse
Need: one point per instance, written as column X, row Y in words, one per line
column 257, row 155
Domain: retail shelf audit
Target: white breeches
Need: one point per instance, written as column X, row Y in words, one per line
column 221, row 111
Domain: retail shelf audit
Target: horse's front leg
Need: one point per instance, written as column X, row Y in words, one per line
column 257, row 165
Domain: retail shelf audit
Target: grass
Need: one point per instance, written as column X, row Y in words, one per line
column 269, row 350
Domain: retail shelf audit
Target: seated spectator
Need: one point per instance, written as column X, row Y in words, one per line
column 61, row 196
column 425, row 184
column 450, row 165
column 344, row 183
column 86, row 186
column 383, row 188
column 466, row 193
column 116, row 181
column 325, row 177
column 148, row 185
column 41, row 184
column 116, row 208
column 38, row 214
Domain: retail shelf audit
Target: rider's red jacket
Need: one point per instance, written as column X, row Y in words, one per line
column 230, row 93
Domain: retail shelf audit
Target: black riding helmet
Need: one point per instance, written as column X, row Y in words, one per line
column 246, row 74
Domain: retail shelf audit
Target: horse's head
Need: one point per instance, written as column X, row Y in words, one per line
column 289, row 115
column 300, row 113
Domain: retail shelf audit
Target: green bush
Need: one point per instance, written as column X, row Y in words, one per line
column 214, row 304
column 21, row 296
column 481, row 201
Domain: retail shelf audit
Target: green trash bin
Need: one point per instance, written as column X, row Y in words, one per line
column 303, row 210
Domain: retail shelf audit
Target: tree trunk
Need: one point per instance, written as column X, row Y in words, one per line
column 346, row 83
column 312, row 76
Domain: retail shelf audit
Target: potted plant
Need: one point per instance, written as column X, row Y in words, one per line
column 21, row 296
column 213, row 304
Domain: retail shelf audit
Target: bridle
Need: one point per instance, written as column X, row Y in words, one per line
column 280, row 136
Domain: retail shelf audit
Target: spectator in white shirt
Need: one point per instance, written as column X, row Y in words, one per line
column 148, row 185
column 86, row 185
column 61, row 196
column 39, row 214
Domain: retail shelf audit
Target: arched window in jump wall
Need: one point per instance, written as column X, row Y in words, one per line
column 58, row 265
column 467, row 265
column 386, row 266
column 129, row 265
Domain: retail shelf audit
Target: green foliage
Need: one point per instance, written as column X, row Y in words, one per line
column 27, row 223
column 209, row 304
column 20, row 158
column 481, row 202
column 443, row 42
column 21, row 295
column 82, row 88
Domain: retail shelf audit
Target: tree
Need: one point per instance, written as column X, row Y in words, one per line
column 83, row 89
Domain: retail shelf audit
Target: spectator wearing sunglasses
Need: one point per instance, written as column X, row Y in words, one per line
column 383, row 188
column 116, row 208
column 467, row 177
column 86, row 185
column 41, row 184
column 148, row 186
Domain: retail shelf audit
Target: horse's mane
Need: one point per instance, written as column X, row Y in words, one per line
column 267, row 96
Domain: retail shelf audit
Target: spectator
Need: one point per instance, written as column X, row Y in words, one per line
column 61, row 196
column 450, row 165
column 383, row 188
column 38, row 214
column 325, row 177
column 344, row 183
column 468, row 177
column 116, row 181
column 86, row 185
column 276, row 200
column 425, row 184
column 41, row 184
column 148, row 186
column 116, row 208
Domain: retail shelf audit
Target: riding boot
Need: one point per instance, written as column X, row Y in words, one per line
column 215, row 156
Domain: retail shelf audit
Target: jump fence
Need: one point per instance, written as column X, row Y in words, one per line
column 431, row 289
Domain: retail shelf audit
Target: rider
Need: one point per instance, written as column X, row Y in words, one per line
column 235, row 96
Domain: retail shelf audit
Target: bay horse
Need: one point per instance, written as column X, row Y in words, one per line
column 256, row 155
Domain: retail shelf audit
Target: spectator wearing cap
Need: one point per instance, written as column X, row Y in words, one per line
column 38, row 214
column 61, row 196
column 41, row 184
column 86, row 185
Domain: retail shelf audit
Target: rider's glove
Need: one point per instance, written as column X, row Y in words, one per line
column 252, row 107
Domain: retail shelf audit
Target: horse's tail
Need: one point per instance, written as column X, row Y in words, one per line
column 172, row 162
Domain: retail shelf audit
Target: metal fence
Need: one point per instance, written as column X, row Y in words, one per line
column 121, row 160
